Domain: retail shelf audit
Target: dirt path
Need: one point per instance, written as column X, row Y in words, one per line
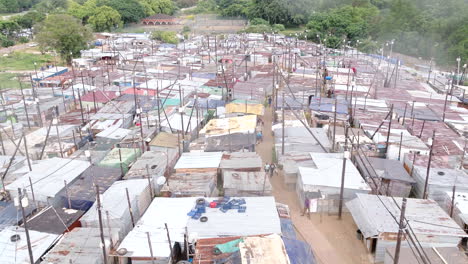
column 332, row 241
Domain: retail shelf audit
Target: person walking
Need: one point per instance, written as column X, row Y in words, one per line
column 272, row 169
column 269, row 100
column 259, row 136
column 306, row 207
column 267, row 167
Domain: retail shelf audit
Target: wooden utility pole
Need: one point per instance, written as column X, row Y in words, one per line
column 428, row 166
column 24, row 103
column 169, row 240
column 399, row 148
column 334, row 124
column 389, row 130
column 150, row 247
column 26, row 152
column 343, row 172
column 453, row 198
column 400, row 232
column 25, row 223
column 103, row 242
column 282, row 127
column 130, row 207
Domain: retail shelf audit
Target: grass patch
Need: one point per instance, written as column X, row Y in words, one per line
column 20, row 61
column 10, row 81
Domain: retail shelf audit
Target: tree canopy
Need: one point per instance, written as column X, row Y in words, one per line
column 64, row 34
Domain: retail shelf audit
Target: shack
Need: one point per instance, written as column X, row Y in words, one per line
column 120, row 158
column 374, row 217
column 47, row 178
column 260, row 217
column 322, row 183
column 246, row 183
column 390, row 176
column 80, row 246
column 460, row 208
column 436, row 255
column 114, row 206
column 230, row 134
column 55, row 220
column 81, row 194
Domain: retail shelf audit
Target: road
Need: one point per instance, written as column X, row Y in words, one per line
column 333, row 241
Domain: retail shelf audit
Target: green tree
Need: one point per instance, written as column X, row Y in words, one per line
column 105, row 19
column 29, row 19
column 51, row 6
column 129, row 10
column 64, row 34
column 158, row 7
column 9, row 6
column 83, row 12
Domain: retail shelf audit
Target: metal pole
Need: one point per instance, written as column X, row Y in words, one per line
column 400, row 232
column 25, row 223
column 130, row 207
column 103, row 242
column 343, row 172
column 429, row 166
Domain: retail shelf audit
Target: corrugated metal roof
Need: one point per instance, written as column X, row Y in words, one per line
column 261, row 217
column 17, row 252
column 48, row 177
column 329, row 170
column 425, row 216
column 199, row 160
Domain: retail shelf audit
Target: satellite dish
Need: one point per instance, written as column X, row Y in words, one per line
column 161, row 180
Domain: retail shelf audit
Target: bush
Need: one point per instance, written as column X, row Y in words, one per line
column 278, row 27
column 186, row 29
column 23, row 40
column 259, row 21
column 165, row 36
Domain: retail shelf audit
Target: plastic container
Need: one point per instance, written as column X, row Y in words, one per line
column 213, row 204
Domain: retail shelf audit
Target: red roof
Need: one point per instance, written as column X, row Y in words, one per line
column 101, row 96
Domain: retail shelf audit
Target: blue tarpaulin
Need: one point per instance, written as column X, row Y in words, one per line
column 11, row 215
column 299, row 252
column 327, row 105
column 287, row 228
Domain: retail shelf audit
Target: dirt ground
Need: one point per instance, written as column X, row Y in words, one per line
column 333, row 241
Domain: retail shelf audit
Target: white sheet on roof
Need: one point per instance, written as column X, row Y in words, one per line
column 199, row 160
